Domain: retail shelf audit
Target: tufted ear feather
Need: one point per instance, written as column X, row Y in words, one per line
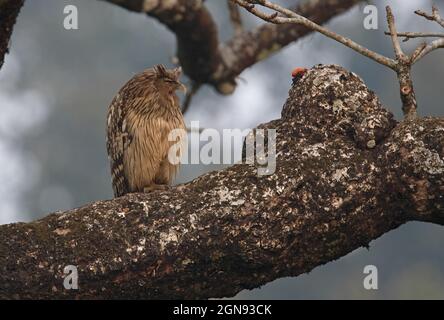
column 160, row 70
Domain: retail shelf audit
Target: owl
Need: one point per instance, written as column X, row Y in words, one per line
column 140, row 119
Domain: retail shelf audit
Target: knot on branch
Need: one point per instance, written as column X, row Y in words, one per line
column 337, row 101
column 415, row 152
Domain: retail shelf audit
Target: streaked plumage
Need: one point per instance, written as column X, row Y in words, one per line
column 140, row 117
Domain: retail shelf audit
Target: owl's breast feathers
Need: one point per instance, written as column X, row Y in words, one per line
column 146, row 157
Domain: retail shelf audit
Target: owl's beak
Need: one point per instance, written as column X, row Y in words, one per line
column 181, row 87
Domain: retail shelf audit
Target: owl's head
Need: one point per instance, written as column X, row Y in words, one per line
column 168, row 79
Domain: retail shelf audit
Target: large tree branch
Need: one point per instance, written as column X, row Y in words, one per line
column 206, row 60
column 9, row 10
column 346, row 174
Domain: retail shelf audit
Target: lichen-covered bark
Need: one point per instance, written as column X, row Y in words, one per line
column 206, row 60
column 346, row 174
column 9, row 10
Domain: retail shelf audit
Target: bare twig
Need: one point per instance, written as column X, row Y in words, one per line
column 400, row 56
column 435, row 16
column 411, row 35
column 235, row 18
column 189, row 96
column 417, row 52
column 437, row 44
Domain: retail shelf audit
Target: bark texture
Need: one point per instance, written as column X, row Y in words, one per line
column 346, row 174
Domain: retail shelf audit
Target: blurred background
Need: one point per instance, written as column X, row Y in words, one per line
column 56, row 85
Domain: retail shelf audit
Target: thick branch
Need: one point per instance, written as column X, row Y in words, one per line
column 346, row 174
column 9, row 10
column 195, row 30
column 189, row 96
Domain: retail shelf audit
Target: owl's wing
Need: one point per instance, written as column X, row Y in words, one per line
column 117, row 141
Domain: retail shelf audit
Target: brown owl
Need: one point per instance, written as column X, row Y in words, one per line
column 140, row 118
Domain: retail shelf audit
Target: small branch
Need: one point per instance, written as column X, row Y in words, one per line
column 435, row 16
column 418, row 51
column 411, row 35
column 235, row 18
column 195, row 130
column 189, row 96
column 437, row 44
column 400, row 56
